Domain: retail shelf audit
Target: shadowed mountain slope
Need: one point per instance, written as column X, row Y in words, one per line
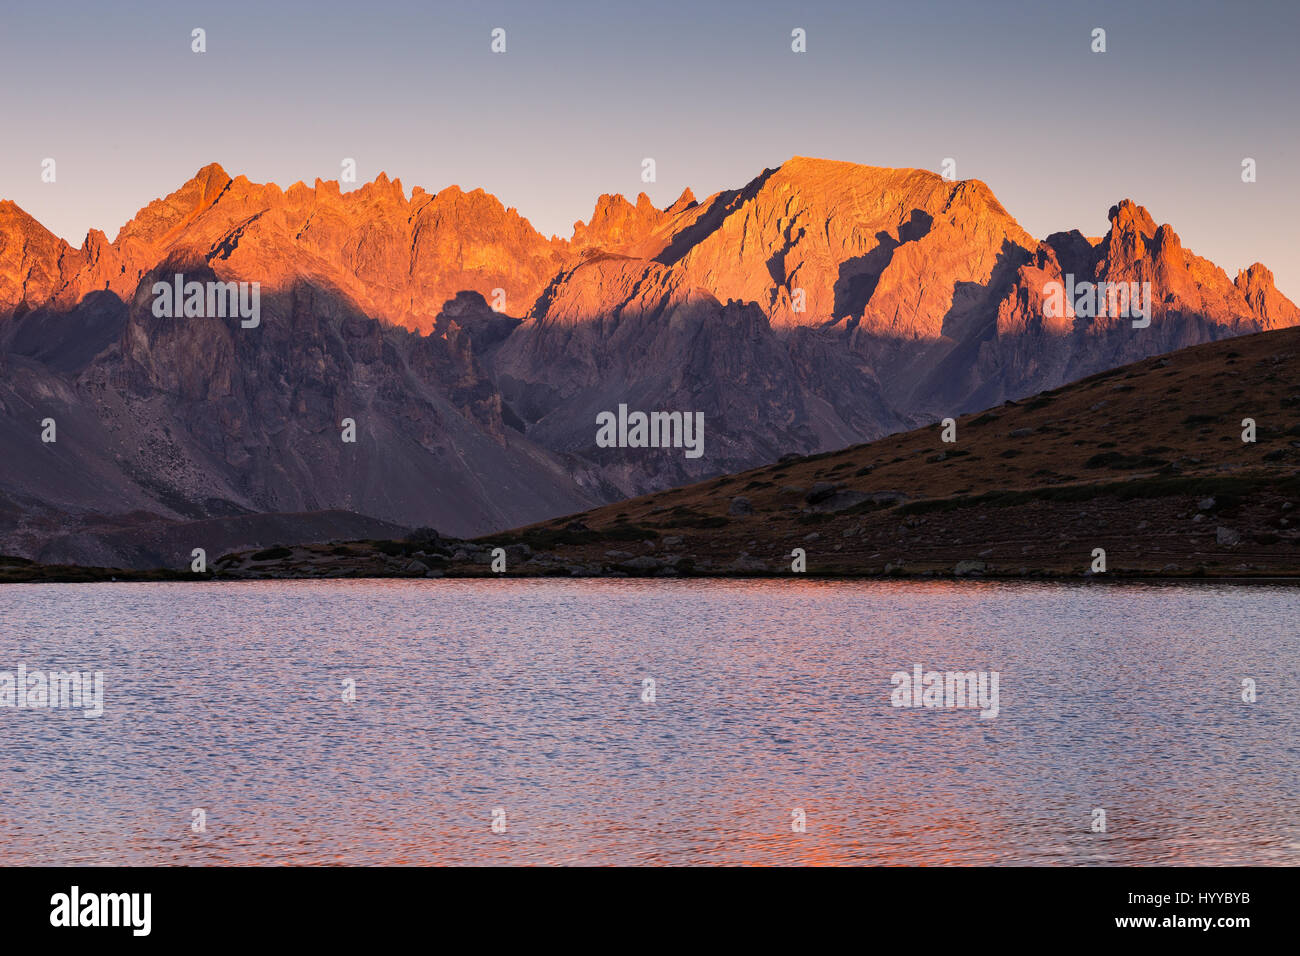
column 1145, row 462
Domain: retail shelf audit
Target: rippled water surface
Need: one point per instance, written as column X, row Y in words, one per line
column 769, row 697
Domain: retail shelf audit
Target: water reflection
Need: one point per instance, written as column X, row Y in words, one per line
column 770, row 696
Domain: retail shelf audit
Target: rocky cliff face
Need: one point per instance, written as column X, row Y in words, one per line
column 821, row 304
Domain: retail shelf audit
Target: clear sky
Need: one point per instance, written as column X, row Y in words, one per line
column 710, row 90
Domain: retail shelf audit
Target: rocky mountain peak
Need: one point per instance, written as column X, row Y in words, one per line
column 1126, row 216
column 617, row 225
column 1273, row 308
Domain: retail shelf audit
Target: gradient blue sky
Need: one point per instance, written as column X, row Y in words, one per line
column 710, row 90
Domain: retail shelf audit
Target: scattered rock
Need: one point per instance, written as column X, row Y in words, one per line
column 821, row 491
column 643, row 563
column 841, row 501
column 887, row 498
column 740, row 506
column 1226, row 537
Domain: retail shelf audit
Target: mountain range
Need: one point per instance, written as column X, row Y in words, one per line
column 820, row 305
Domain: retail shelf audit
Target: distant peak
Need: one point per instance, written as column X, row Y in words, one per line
column 212, row 171
column 19, row 216
column 210, row 180
column 796, row 162
column 1126, row 214
column 684, row 201
column 816, row 167
column 1254, row 275
column 381, row 187
column 326, row 187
